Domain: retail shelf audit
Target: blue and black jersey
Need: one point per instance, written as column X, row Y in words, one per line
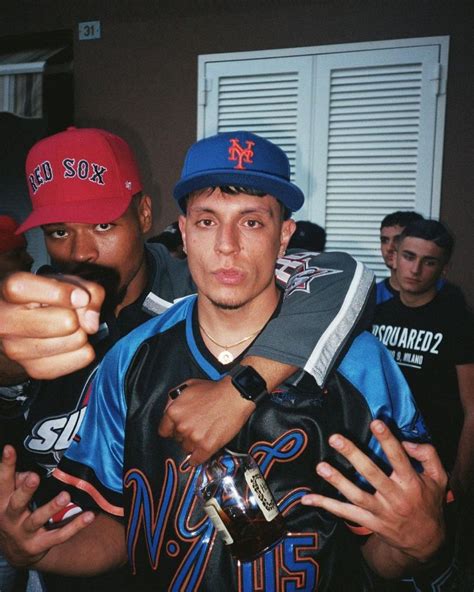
column 121, row 465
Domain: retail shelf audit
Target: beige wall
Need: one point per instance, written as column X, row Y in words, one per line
column 140, row 79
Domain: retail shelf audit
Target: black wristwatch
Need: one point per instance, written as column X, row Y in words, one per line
column 249, row 383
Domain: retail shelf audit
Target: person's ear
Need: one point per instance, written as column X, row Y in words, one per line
column 182, row 228
column 145, row 213
column 288, row 227
column 444, row 271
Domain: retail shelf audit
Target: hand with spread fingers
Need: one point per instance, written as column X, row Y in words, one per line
column 405, row 513
column 45, row 323
column 194, row 418
column 23, row 538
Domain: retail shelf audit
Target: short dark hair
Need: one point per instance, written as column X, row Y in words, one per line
column 400, row 218
column 430, row 230
column 234, row 190
column 309, row 236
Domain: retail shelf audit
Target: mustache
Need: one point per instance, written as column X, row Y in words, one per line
column 101, row 274
column 107, row 277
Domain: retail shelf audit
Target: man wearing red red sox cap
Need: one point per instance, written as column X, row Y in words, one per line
column 87, row 197
column 84, row 175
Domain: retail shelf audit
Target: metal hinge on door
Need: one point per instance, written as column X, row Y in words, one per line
column 206, row 87
column 437, row 79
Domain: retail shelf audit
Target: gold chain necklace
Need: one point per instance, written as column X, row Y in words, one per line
column 226, row 357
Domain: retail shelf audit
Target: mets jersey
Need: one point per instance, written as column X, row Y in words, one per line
column 123, row 467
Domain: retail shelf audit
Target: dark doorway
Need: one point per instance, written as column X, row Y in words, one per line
column 22, row 125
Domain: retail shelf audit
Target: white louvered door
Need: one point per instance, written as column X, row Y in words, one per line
column 362, row 125
column 269, row 97
column 373, row 143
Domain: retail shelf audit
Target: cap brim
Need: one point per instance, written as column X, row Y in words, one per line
column 289, row 194
column 94, row 211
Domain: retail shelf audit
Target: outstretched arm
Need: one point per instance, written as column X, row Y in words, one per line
column 405, row 513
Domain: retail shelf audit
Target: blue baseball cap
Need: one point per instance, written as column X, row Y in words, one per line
column 238, row 158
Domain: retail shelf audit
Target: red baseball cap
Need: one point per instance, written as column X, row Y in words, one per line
column 80, row 175
column 8, row 239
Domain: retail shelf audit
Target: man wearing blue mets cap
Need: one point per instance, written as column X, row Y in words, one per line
column 87, row 196
column 239, row 158
column 142, row 486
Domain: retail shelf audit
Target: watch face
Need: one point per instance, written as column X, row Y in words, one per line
column 249, row 382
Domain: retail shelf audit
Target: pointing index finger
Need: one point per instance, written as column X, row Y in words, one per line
column 27, row 288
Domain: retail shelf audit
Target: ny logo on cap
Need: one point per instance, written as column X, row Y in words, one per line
column 241, row 155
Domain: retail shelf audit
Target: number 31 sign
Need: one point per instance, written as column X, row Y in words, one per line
column 89, row 30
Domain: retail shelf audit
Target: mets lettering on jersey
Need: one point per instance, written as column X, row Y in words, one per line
column 192, row 536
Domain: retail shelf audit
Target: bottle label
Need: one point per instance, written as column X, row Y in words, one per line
column 214, row 511
column 262, row 493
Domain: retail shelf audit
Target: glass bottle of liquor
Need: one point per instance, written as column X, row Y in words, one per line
column 237, row 499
